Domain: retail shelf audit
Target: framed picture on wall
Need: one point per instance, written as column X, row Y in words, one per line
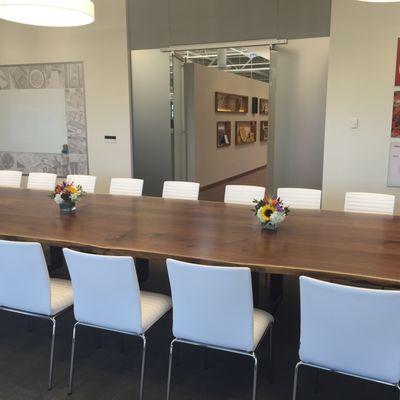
column 246, row 132
column 223, row 134
column 231, row 103
column 254, row 105
column 263, row 131
column 396, row 115
column 264, row 107
column 397, row 75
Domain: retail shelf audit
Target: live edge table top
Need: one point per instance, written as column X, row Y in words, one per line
column 325, row 244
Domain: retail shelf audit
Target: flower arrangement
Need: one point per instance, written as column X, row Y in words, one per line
column 271, row 212
column 66, row 195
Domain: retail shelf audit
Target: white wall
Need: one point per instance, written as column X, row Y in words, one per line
column 208, row 164
column 298, row 96
column 361, row 84
column 102, row 47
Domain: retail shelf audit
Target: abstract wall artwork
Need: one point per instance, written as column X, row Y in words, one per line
column 223, row 134
column 396, row 115
column 397, row 75
column 264, row 107
column 246, row 132
column 68, row 77
column 231, row 103
column 263, row 131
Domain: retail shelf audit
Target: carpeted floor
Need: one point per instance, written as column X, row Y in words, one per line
column 104, row 373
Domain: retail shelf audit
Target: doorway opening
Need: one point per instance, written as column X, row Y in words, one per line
column 216, row 127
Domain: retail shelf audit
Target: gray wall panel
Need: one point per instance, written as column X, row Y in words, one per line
column 148, row 23
column 159, row 23
column 305, row 18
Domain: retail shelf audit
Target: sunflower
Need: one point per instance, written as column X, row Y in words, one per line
column 264, row 213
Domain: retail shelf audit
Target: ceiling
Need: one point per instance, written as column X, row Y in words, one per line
column 251, row 62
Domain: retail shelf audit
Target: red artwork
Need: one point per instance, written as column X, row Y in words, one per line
column 396, row 115
column 397, row 78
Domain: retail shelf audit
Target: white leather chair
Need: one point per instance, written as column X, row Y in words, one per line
column 213, row 308
column 350, row 331
column 243, row 194
column 301, row 198
column 41, row 181
column 87, row 182
column 10, row 179
column 126, row 186
column 370, row 203
column 181, row 190
column 25, row 287
column 107, row 296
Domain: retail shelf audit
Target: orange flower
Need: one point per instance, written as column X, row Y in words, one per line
column 71, row 189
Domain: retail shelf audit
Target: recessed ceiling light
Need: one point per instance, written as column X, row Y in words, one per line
column 57, row 13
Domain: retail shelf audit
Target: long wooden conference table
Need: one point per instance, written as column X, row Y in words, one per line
column 324, row 244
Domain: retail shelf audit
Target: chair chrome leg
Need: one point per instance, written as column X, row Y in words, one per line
column 143, row 367
column 271, row 356
column 296, row 375
column 71, row 368
column 254, row 376
column 171, row 353
column 53, row 339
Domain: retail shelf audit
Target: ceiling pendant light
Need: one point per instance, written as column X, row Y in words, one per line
column 57, row 13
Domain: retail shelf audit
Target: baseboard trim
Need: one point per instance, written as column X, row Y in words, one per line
column 227, row 180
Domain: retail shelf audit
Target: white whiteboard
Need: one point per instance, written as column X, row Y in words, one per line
column 33, row 120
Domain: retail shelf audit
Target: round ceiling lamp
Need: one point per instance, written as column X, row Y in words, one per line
column 59, row 13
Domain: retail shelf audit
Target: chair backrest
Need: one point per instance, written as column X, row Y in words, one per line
column 87, row 182
column 370, row 203
column 126, row 186
column 181, row 190
column 350, row 330
column 212, row 305
column 41, row 181
column 11, row 179
column 24, row 278
column 243, row 194
column 106, row 291
column 300, row 198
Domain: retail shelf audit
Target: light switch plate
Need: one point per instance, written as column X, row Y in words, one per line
column 354, row 123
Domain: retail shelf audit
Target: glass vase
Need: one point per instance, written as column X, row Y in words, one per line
column 269, row 227
column 67, row 207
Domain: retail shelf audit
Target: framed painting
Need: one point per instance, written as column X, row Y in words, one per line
column 246, row 132
column 263, row 131
column 223, row 134
column 231, row 103
column 264, row 107
column 397, row 75
column 396, row 115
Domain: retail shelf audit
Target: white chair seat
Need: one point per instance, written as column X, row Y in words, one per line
column 262, row 320
column 62, row 295
column 153, row 306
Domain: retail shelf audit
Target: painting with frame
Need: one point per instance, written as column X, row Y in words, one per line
column 245, row 132
column 223, row 134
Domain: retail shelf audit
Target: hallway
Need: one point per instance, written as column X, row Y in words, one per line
column 216, row 192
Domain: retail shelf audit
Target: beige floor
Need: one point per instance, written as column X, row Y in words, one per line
column 216, row 193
